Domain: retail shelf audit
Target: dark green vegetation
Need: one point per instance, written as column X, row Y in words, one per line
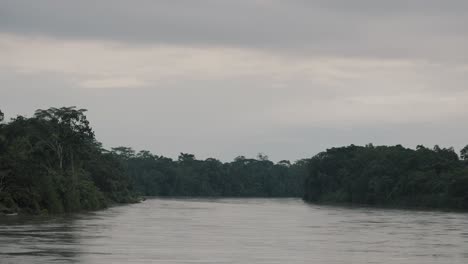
column 187, row 176
column 53, row 163
column 390, row 176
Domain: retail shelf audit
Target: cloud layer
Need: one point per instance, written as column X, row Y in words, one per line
column 224, row 78
column 420, row 28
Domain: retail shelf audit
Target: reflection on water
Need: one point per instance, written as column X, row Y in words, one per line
column 236, row 231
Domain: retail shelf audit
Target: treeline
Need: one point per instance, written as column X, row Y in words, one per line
column 154, row 175
column 52, row 163
column 390, row 176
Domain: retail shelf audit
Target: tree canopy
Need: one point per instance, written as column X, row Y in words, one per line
column 389, row 175
column 52, row 163
column 154, row 175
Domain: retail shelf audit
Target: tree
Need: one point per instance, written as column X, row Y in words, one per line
column 64, row 130
column 187, row 158
column 262, row 157
column 124, row 152
column 464, row 153
column 144, row 154
column 52, row 163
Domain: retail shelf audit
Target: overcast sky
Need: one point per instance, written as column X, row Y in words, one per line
column 227, row 78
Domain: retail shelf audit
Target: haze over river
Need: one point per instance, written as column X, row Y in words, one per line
column 246, row 231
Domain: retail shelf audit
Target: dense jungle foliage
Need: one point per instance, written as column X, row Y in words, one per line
column 187, row 176
column 390, row 176
column 52, row 163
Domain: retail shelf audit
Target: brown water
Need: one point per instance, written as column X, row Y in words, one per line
column 237, row 231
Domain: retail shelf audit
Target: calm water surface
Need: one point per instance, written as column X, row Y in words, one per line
column 244, row 231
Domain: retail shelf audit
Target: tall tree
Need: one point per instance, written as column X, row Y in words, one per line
column 52, row 162
column 64, row 131
column 464, row 153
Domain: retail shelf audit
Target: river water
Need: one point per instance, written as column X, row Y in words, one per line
column 247, row 231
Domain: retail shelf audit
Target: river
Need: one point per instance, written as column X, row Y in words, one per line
column 247, row 231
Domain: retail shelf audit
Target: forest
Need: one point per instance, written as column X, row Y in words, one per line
column 161, row 176
column 52, row 163
column 390, row 176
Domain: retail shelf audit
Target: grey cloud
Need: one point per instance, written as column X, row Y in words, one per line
column 227, row 118
column 423, row 29
column 302, row 75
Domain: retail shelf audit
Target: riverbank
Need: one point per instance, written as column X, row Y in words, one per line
column 13, row 211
